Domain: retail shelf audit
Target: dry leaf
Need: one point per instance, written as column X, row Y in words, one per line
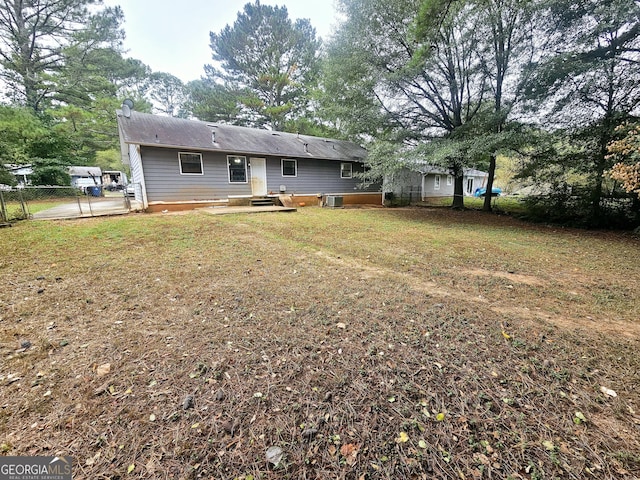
column 402, row 438
column 274, row 455
column 341, row 325
column 348, row 449
column 103, row 369
column 579, row 418
column 608, row 391
column 350, row 452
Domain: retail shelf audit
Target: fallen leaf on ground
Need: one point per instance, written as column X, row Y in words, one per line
column 350, row 452
column 274, row 455
column 608, row 391
column 103, row 369
column 579, row 418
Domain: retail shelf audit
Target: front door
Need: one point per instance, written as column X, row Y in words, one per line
column 258, row 177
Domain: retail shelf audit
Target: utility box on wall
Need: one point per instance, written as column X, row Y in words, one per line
column 334, row 201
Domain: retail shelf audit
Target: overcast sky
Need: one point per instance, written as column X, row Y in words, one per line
column 173, row 35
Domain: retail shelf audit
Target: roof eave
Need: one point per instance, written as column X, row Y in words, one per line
column 241, row 152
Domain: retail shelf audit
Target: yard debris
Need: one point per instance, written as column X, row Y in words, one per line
column 101, row 389
column 274, row 455
column 103, row 369
column 229, row 426
column 188, row 402
column 349, row 451
column 608, row 391
column 309, row 433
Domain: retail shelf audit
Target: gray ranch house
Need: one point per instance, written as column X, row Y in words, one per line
column 422, row 181
column 177, row 163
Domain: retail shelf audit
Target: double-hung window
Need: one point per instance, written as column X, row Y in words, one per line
column 289, row 168
column 346, row 170
column 237, row 169
column 436, row 182
column 190, row 163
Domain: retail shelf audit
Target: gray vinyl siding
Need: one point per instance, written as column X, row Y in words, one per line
column 164, row 182
column 447, row 190
column 430, row 186
column 314, row 177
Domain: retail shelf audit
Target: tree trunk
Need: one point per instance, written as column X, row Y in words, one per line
column 492, row 171
column 458, row 188
column 600, row 167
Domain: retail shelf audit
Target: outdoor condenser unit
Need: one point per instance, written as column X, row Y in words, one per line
column 334, row 201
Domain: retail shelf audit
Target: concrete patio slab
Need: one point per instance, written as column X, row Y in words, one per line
column 229, row 210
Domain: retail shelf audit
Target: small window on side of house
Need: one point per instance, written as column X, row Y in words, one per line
column 449, row 180
column 436, row 182
column 237, row 169
column 346, row 170
column 289, row 168
column 190, row 163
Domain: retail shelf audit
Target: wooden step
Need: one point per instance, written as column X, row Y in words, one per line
column 262, row 202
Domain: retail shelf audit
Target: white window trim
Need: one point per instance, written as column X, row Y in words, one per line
column 350, row 170
column 449, row 180
column 469, row 185
column 295, row 162
column 436, row 182
column 246, row 173
column 190, row 153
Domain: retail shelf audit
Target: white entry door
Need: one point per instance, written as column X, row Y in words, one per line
column 258, row 177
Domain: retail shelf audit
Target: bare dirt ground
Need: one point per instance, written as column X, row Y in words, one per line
column 355, row 344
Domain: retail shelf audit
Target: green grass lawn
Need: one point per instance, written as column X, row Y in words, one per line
column 384, row 343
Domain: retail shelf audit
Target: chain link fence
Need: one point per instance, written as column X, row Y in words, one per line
column 57, row 202
column 403, row 196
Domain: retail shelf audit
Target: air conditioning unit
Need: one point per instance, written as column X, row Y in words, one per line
column 334, row 201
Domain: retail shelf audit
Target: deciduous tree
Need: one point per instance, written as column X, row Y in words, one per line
column 590, row 83
column 626, row 153
column 414, row 80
